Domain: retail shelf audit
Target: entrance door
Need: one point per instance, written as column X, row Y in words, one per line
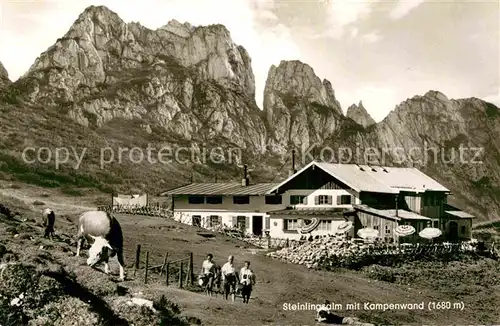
column 257, row 225
column 453, row 231
column 196, row 220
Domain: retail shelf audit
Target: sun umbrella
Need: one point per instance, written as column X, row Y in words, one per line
column 306, row 228
column 430, row 233
column 367, row 233
column 404, row 230
column 344, row 227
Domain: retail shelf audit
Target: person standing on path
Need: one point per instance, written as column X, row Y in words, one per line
column 229, row 278
column 247, row 279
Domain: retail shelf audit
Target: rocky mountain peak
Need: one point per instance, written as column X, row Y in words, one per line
column 100, row 46
column 359, row 114
column 101, row 13
column 299, row 79
column 300, row 108
column 192, row 82
column 177, row 28
column 436, row 95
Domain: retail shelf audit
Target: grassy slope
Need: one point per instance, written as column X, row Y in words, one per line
column 58, row 288
column 280, row 283
column 27, row 126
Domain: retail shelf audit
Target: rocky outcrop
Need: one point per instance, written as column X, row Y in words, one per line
column 192, row 81
column 4, row 76
column 299, row 108
column 359, row 114
column 429, row 131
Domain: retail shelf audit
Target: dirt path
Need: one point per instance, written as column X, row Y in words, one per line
column 278, row 283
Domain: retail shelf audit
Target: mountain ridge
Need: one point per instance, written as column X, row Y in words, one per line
column 184, row 86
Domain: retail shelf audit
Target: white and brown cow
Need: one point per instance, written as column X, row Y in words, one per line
column 108, row 239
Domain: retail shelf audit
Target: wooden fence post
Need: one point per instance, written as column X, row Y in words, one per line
column 146, row 269
column 164, row 263
column 167, row 270
column 191, row 272
column 180, row 275
column 269, row 242
column 287, row 242
column 137, row 258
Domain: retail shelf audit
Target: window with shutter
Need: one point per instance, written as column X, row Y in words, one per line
column 268, row 223
column 324, row 200
column 291, row 225
column 235, row 221
column 345, row 200
column 353, row 200
column 325, row 226
column 242, row 222
column 298, row 199
column 316, row 200
column 339, row 200
column 214, row 220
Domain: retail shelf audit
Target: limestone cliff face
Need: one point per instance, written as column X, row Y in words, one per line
column 193, row 81
column 4, row 76
column 428, row 131
column 359, row 114
column 299, row 108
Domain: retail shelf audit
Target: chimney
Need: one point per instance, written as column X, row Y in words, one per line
column 191, row 178
column 293, row 162
column 216, row 178
column 397, row 198
column 245, row 180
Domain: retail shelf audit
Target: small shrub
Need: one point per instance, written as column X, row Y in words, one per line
column 381, row 273
column 72, row 192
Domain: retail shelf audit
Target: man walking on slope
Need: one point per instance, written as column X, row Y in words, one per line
column 229, row 278
column 207, row 274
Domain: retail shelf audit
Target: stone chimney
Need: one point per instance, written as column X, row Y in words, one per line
column 245, row 181
column 293, row 170
column 397, row 199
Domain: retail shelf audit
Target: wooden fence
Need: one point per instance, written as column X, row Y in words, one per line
column 166, row 268
column 150, row 210
column 158, row 211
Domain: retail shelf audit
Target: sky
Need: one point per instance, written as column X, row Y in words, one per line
column 379, row 52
